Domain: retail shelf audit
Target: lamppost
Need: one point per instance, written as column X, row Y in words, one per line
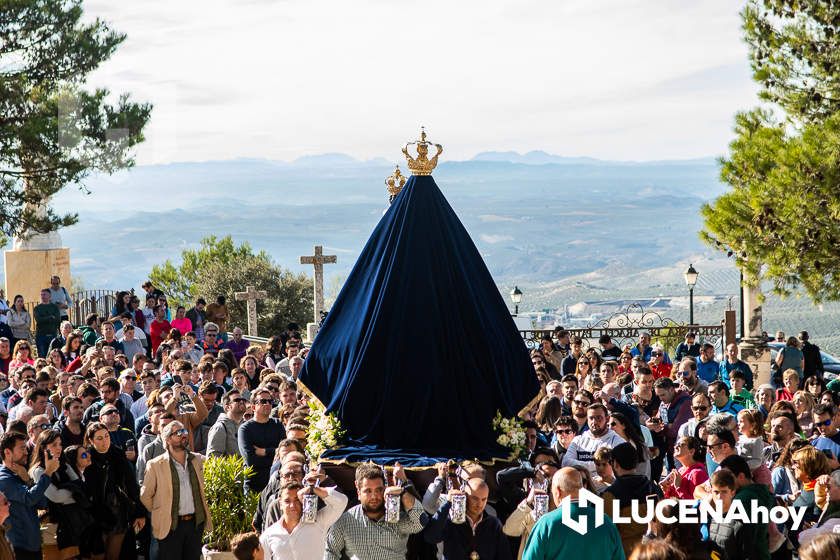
column 690, row 281
column 516, row 298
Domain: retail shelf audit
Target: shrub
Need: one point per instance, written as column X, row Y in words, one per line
column 231, row 508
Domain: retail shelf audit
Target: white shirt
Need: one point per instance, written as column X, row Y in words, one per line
column 4, row 317
column 138, row 407
column 582, row 449
column 307, row 541
column 186, row 505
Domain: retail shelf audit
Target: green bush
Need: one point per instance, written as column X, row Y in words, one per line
column 231, row 508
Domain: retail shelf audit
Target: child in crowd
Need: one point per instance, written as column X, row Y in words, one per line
column 738, row 393
column 604, row 475
column 246, row 547
column 751, row 442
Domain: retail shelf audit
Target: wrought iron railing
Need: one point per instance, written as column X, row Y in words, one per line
column 625, row 326
column 100, row 302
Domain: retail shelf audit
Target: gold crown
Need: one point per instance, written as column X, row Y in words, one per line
column 395, row 183
column 422, row 165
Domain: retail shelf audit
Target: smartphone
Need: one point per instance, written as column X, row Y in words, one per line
column 177, row 380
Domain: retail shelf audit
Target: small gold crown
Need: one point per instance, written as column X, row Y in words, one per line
column 395, row 183
column 422, row 165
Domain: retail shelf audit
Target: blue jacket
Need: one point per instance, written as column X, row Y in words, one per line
column 24, row 530
column 708, row 371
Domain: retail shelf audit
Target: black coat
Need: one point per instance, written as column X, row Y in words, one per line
column 113, row 490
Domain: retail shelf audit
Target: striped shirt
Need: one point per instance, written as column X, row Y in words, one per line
column 356, row 536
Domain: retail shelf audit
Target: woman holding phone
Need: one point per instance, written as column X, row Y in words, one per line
column 113, row 490
column 63, row 508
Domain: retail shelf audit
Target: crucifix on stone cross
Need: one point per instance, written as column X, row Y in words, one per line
column 250, row 296
column 318, row 260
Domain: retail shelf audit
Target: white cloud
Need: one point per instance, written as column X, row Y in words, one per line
column 496, row 218
column 488, row 238
column 618, row 79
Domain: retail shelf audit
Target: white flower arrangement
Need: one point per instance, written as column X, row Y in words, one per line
column 512, row 433
column 324, row 432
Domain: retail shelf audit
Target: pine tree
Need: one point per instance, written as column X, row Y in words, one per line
column 781, row 220
column 53, row 132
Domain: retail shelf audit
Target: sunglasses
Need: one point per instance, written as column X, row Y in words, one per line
column 700, row 408
column 565, row 431
column 825, row 423
column 239, row 400
column 211, row 335
column 44, row 426
column 263, row 401
column 84, row 455
column 581, row 402
column 109, row 413
column 131, row 377
column 182, row 432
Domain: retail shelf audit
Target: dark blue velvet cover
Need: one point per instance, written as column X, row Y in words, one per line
column 419, row 350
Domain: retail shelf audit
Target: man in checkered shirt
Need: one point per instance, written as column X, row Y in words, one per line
column 361, row 533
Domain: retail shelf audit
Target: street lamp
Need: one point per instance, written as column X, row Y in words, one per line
column 690, row 281
column 516, row 298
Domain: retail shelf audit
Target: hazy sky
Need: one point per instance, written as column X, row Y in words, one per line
column 278, row 79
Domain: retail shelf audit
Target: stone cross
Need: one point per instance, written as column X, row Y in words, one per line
column 318, row 260
column 251, row 295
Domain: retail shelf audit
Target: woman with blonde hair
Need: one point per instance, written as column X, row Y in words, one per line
column 804, row 403
column 790, row 380
column 583, row 369
column 21, row 355
column 808, row 465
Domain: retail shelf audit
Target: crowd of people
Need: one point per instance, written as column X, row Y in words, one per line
column 106, row 427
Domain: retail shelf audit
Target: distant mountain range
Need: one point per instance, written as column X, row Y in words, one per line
column 539, row 157
column 536, row 217
column 563, row 229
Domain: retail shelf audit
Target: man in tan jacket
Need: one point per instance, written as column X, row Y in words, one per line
column 173, row 491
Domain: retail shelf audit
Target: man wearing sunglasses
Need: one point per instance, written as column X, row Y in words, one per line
column 221, row 441
column 173, row 491
column 701, row 407
column 212, row 342
column 825, row 421
column 688, row 380
column 258, row 439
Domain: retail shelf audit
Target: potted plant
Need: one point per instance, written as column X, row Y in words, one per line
column 231, row 508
